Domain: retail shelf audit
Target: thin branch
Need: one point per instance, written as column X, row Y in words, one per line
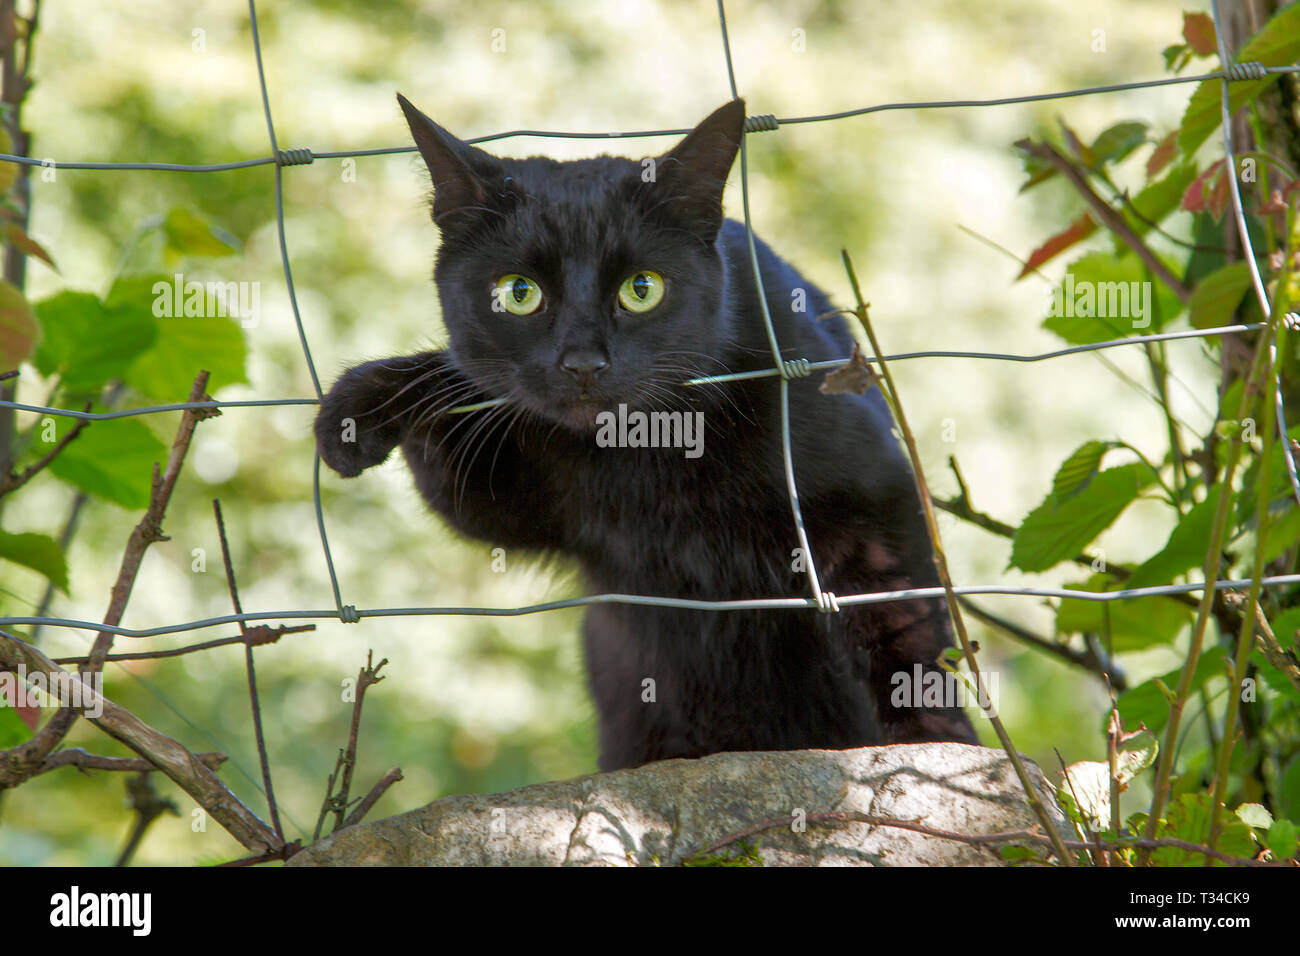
column 252, row 674
column 170, row 756
column 347, row 759
column 257, row 635
column 84, row 760
column 1111, row 219
column 941, row 567
column 1282, row 658
column 283, row 853
column 393, row 775
column 15, row 480
column 148, row 806
column 365, row 677
column 20, row 762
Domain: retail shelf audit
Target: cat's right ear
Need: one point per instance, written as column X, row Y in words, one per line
column 461, row 173
column 697, row 168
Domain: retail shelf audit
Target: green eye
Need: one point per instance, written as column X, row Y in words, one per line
column 518, row 294
column 641, row 291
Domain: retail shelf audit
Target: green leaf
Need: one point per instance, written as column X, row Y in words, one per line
column 189, row 235
column 1118, row 141
column 19, row 330
column 1184, row 550
column 1289, row 789
column 85, row 343
column 184, row 344
column 1058, row 530
column 113, row 460
column 1278, row 44
column 1284, row 627
column 39, row 552
column 1037, row 170
column 1279, row 491
column 1133, row 623
column 1015, row 854
column 12, row 729
column 1283, row 530
column 1188, row 819
column 1254, row 815
column 1160, row 199
column 1176, row 57
column 1136, row 754
column 1098, row 300
column 1079, row 469
column 1146, row 703
column 1282, row 839
column 1216, row 297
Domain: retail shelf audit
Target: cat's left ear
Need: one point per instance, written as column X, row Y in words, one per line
column 697, row 168
column 463, row 177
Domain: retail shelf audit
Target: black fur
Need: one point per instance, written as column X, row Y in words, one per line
column 529, row 474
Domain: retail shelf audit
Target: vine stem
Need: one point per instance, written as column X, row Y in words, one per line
column 1210, row 571
column 941, row 565
column 1237, row 666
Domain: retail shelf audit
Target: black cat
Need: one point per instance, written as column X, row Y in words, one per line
column 570, row 289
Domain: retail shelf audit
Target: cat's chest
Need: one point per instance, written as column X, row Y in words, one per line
column 654, row 515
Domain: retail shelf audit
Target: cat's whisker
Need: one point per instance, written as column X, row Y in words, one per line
column 461, row 460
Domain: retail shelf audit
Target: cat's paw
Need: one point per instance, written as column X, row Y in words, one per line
column 355, row 428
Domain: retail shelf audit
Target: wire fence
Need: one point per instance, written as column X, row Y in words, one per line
column 783, row 368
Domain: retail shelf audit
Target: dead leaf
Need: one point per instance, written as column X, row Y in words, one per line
column 855, row 377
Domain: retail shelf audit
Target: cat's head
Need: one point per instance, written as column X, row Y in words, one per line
column 572, row 287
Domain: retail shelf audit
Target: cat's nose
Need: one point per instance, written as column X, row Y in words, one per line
column 585, row 364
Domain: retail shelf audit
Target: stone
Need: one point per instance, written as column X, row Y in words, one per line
column 667, row 813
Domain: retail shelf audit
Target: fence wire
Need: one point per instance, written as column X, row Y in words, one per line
column 784, row 369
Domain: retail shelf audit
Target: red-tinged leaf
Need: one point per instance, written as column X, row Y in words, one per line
column 1163, row 153
column 1082, row 152
column 19, row 331
column 1080, row 229
column 30, row 715
column 1198, row 31
column 1219, row 196
column 1198, row 193
column 19, row 239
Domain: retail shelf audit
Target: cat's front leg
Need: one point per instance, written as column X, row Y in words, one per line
column 372, row 407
